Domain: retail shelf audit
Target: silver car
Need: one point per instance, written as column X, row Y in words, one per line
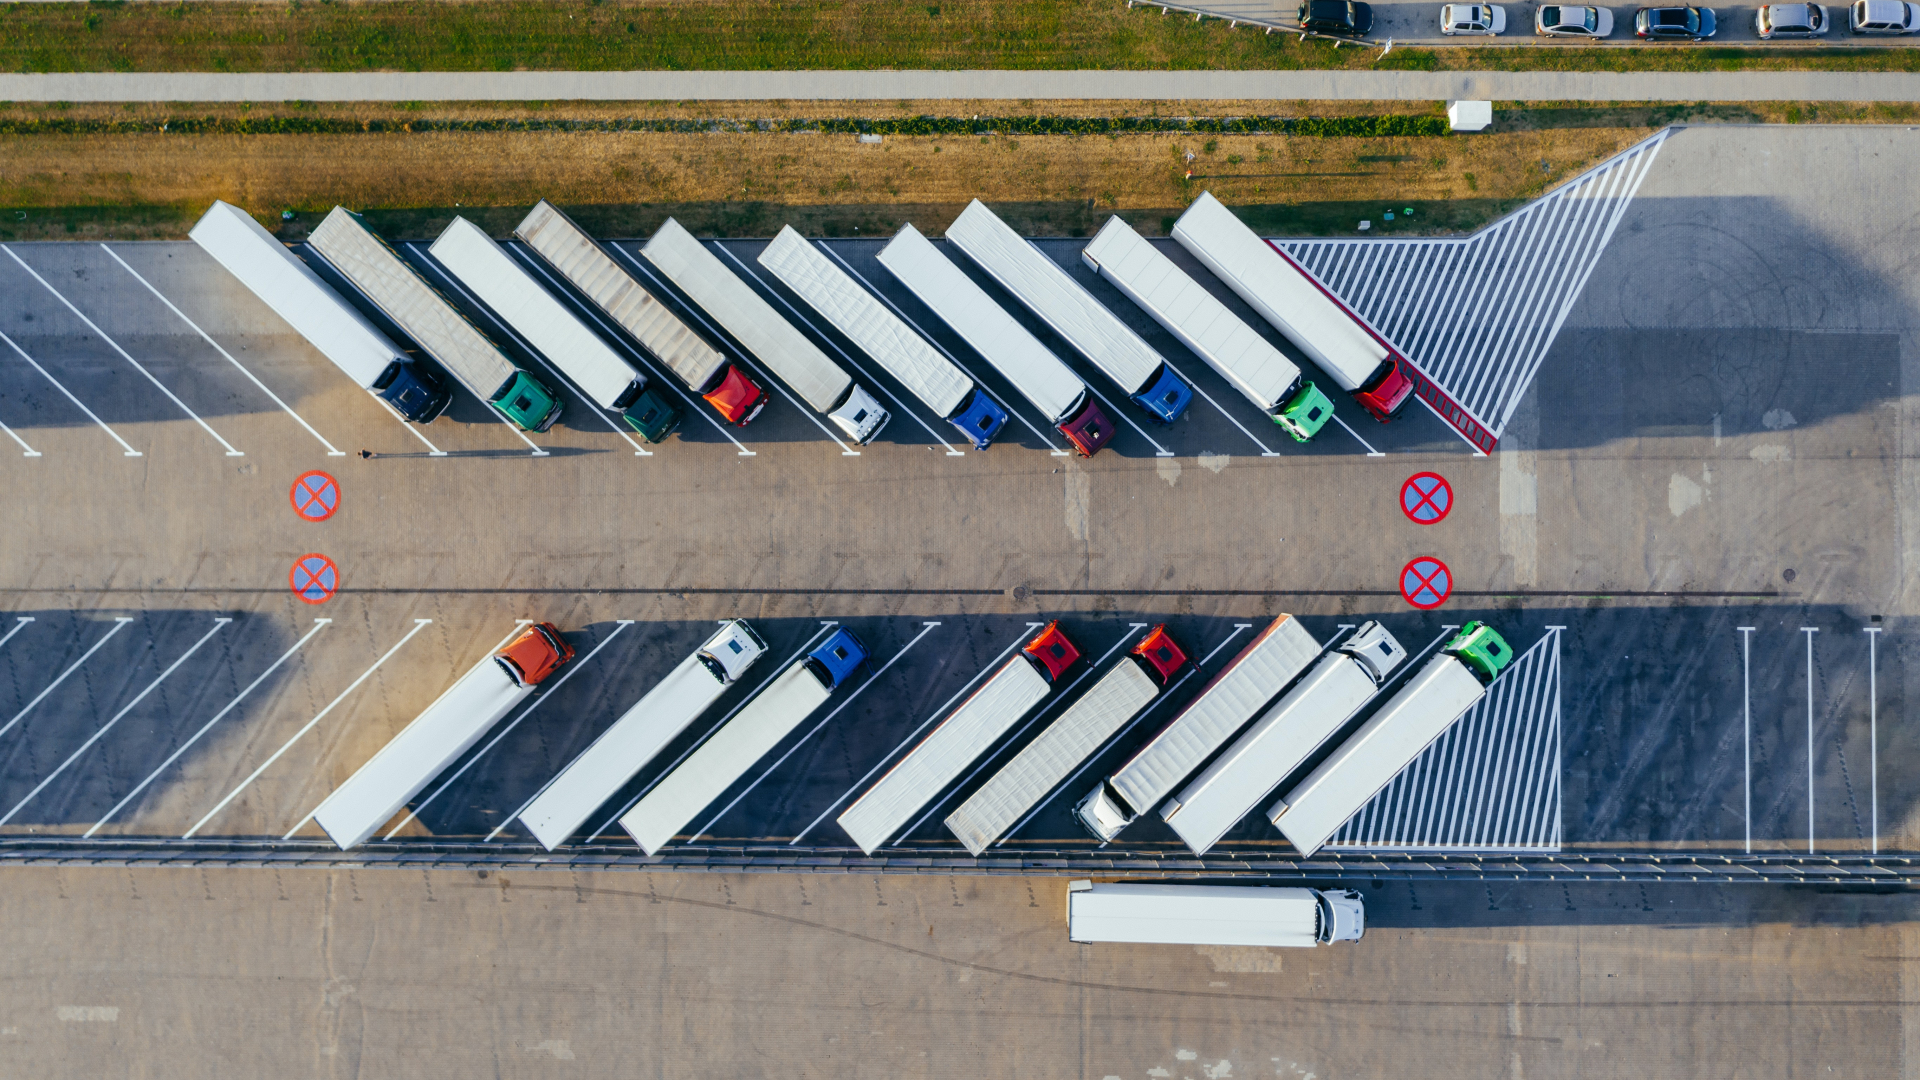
column 1472, row 19
column 1588, row 22
column 1790, row 20
column 1883, row 17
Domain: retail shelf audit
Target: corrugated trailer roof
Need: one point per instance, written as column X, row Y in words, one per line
column 567, row 248
column 295, row 293
column 363, row 258
column 1194, row 915
column 878, row 332
column 739, row 310
column 1053, row 295
column 1192, row 314
column 1030, row 366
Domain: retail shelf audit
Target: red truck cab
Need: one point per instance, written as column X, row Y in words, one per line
column 1388, row 393
column 1159, row 655
column 738, row 398
column 538, row 652
column 1051, row 650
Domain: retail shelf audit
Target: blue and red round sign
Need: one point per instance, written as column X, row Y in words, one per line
column 1426, row 498
column 1426, row 582
column 314, row 578
column 315, row 496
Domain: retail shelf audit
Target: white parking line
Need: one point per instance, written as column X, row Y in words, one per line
column 1058, row 451
column 128, row 357
column 19, row 623
column 1095, row 756
column 331, row 450
column 744, row 702
column 491, row 407
column 1873, row 726
column 524, row 713
column 130, row 451
column 218, row 624
column 29, row 451
column 926, row 628
column 987, row 758
column 672, row 383
column 418, row 625
column 935, row 715
column 1265, row 450
column 1371, row 452
column 835, row 346
column 318, row 625
column 1809, row 631
column 1746, row 698
column 119, row 623
column 432, row 450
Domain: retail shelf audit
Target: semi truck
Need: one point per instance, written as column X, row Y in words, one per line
column 1356, row 358
column 1081, row 321
column 1261, row 373
column 418, row 309
column 821, row 383
column 882, row 335
column 1212, row 915
column 641, row 733
column 295, row 293
column 1244, row 684
column 1418, row 713
column 572, row 253
column 985, row 326
column 970, row 730
column 725, row 757
column 501, row 283
column 439, row 735
column 1313, row 711
column 1116, row 698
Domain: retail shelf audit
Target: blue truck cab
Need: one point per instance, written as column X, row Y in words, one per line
column 837, row 658
column 980, row 418
column 415, row 391
column 1166, row 397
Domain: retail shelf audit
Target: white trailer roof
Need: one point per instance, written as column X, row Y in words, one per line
column 1045, row 763
column 567, row 248
column 928, row 768
column 423, row 749
column 1030, row 366
column 740, row 311
column 592, row 778
column 295, row 293
column 505, row 286
column 419, row 309
column 878, row 332
column 1192, row 314
column 724, row 758
column 1061, row 303
column 1389, row 741
column 1279, row 291
column 1263, row 756
column 1193, row 915
column 1250, row 680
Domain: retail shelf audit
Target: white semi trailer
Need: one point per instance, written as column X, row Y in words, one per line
column 641, row 733
column 1014, row 352
column 365, row 260
column 440, row 734
column 1043, row 764
column 587, row 267
column 882, row 335
column 740, row 311
column 756, row 729
column 970, row 730
column 1304, row 718
column 1084, row 322
column 1247, row 682
column 1418, row 713
column 1261, row 373
column 1212, row 915
column 295, row 293
column 504, row 285
column 1286, row 296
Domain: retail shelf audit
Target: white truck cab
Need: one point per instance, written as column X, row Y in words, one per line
column 1342, row 916
column 730, row 652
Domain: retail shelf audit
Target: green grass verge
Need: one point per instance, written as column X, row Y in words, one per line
column 743, row 35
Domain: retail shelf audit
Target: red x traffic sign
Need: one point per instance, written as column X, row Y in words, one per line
column 315, row 496
column 1426, row 498
column 314, row 578
column 1426, row 582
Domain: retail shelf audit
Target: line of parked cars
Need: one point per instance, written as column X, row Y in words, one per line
column 1352, row 18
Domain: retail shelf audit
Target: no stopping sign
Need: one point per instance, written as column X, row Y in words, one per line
column 1426, row 498
column 1426, row 582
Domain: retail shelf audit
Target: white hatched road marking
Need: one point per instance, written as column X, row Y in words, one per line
column 1476, row 315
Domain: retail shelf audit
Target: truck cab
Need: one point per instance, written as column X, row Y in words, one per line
column 1166, row 398
column 528, row 402
column 860, row 417
column 1375, row 650
column 1089, row 430
column 980, row 419
column 1159, row 655
column 1481, row 650
column 738, row 398
column 1102, row 814
column 1305, row 413
column 648, row 412
column 1342, row 916
column 1388, row 391
column 416, row 392
column 837, row 658
column 729, row 653
column 538, row 652
column 1051, row 652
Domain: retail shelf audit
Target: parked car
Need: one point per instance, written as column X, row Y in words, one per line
column 1883, row 17
column 1472, row 19
column 1673, row 23
column 1341, row 18
column 1587, row 22
column 1790, row 20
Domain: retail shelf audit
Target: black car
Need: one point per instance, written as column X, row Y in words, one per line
column 1673, row 23
column 1344, row 18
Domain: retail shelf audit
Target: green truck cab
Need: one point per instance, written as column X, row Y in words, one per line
column 1483, row 651
column 649, row 413
column 528, row 402
column 1305, row 413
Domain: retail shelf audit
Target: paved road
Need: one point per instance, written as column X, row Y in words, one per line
column 972, row 85
column 1419, row 24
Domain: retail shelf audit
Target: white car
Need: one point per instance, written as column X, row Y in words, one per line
column 1587, row 22
column 1883, row 17
column 1790, row 20
column 1465, row 19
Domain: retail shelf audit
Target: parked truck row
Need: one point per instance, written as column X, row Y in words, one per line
column 630, row 329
